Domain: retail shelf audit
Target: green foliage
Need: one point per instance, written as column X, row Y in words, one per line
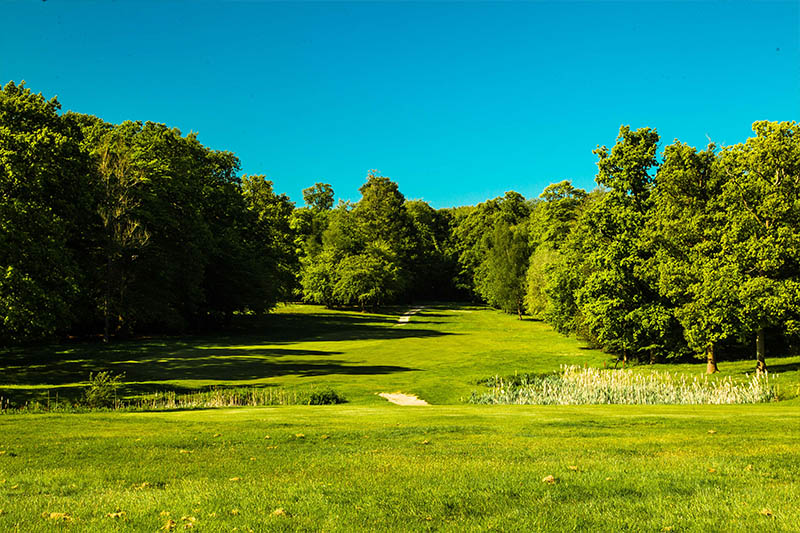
column 325, row 397
column 45, row 209
column 366, row 253
column 554, row 272
column 319, row 197
column 135, row 227
column 380, row 215
column 543, row 260
column 366, row 280
column 318, row 278
column 102, row 389
column 554, row 217
column 619, row 299
column 433, row 261
column 694, row 273
column 501, row 277
column 491, row 275
column 309, row 224
column 272, row 241
column 761, row 231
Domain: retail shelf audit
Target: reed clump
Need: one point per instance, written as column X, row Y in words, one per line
column 574, row 385
column 202, row 399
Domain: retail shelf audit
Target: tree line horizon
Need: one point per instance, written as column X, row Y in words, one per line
column 115, row 230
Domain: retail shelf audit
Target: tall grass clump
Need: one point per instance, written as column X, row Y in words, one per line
column 170, row 400
column 238, row 397
column 579, row 386
column 102, row 390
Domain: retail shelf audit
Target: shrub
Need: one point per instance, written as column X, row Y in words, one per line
column 102, row 389
column 325, row 397
column 516, row 380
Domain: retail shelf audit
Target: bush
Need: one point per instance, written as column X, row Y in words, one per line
column 102, row 389
column 325, row 397
column 517, row 380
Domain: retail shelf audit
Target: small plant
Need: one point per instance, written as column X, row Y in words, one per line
column 517, row 380
column 102, row 389
column 325, row 397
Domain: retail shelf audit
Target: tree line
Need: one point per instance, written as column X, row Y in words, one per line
column 115, row 229
column 128, row 228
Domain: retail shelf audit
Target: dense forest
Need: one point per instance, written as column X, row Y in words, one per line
column 117, row 229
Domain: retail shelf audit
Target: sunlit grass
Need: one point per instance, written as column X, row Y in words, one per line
column 388, row 468
column 438, row 355
column 368, row 465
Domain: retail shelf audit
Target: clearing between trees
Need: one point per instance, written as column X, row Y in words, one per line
column 367, row 465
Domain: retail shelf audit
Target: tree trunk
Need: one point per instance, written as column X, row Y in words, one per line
column 711, row 359
column 653, row 357
column 107, row 300
column 761, row 364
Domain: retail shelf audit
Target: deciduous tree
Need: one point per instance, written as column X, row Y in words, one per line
column 761, row 236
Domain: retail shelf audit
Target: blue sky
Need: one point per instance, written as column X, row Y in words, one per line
column 457, row 102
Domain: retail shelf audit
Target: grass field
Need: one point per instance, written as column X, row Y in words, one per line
column 439, row 355
column 370, row 465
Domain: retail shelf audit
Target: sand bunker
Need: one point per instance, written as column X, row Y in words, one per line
column 402, row 399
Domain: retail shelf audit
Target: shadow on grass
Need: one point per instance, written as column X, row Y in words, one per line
column 160, row 364
column 159, row 375
column 291, row 328
column 777, row 369
column 19, row 397
column 73, row 394
column 793, row 367
column 254, row 348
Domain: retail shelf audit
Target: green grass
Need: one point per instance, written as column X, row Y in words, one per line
column 439, row 355
column 370, row 465
column 389, row 468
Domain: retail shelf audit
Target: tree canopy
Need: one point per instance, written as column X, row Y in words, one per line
column 117, row 229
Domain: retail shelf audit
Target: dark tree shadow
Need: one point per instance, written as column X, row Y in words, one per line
column 275, row 329
column 776, row 369
column 254, row 348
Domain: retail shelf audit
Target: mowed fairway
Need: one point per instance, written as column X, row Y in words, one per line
column 370, row 465
column 438, row 355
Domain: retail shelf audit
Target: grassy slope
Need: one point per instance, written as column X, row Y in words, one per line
column 439, row 355
column 480, row 469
